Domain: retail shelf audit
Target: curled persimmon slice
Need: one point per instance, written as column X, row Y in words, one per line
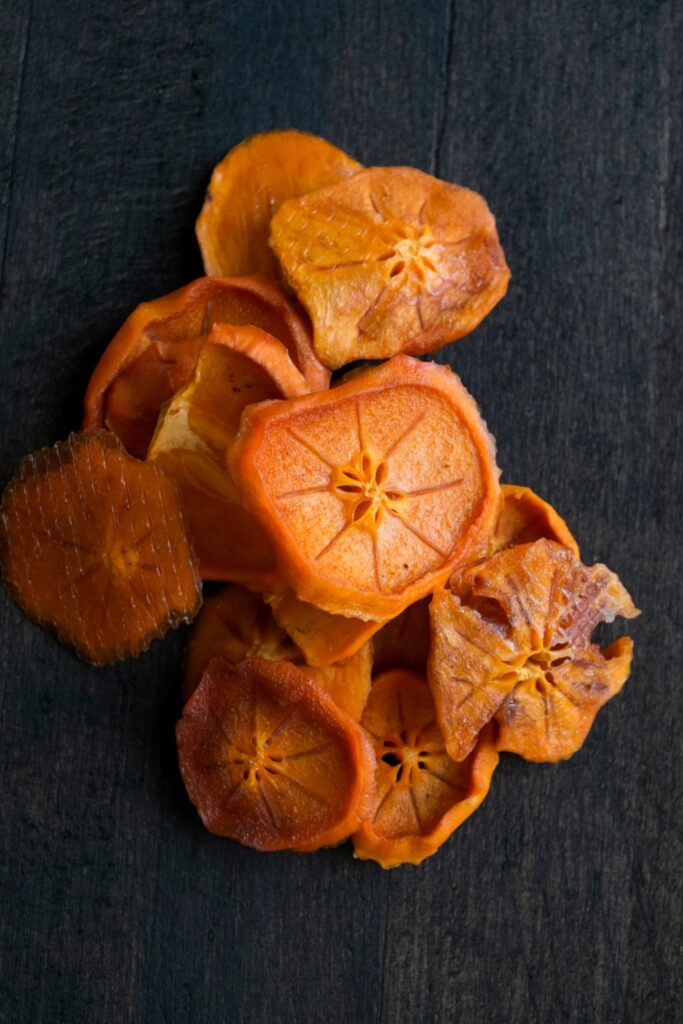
column 525, row 517
column 373, row 492
column 155, row 352
column 392, row 260
column 403, row 642
column 269, row 759
column 324, row 638
column 421, row 794
column 236, row 366
column 248, row 186
column 512, row 642
column 95, row 548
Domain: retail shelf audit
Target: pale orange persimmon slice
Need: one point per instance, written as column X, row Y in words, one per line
column 421, row 794
column 236, row 366
column 269, row 759
column 403, row 642
column 155, row 352
column 94, row 547
column 373, row 492
column 324, row 638
column 525, row 517
column 248, row 186
column 513, row 642
column 392, row 260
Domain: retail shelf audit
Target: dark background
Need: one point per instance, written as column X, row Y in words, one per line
column 560, row 900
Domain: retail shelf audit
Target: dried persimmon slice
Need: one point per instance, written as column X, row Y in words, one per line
column 248, row 186
column 155, row 352
column 525, row 517
column 269, row 759
column 396, row 470
column 392, row 260
column 325, row 639
column 403, row 642
column 94, row 547
column 421, row 794
column 513, row 642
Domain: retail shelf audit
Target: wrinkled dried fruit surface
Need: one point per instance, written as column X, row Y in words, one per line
column 523, row 518
column 396, row 469
column 155, row 352
column 94, row 547
column 513, row 642
column 421, row 794
column 392, row 260
column 403, row 642
column 247, row 188
column 269, row 759
column 324, row 638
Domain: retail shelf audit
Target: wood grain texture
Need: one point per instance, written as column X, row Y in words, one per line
column 560, row 900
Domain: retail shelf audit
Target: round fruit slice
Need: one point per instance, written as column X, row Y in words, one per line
column 94, row 547
column 391, row 260
column 513, row 642
column 523, row 518
column 395, row 469
column 421, row 795
column 325, row 639
column 155, row 352
column 269, row 759
column 248, row 186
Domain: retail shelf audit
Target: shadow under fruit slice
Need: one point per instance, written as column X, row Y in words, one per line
column 403, row 642
column 396, row 470
column 95, row 548
column 248, row 186
column 269, row 759
column 155, row 352
column 421, row 794
column 512, row 642
column 525, row 517
column 391, row 260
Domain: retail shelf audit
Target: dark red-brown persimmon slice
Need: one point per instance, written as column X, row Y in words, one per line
column 269, row 759
column 94, row 547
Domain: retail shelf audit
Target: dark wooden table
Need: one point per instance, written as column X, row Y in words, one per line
column 560, row 900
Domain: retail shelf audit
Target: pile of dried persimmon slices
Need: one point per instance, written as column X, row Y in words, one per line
column 382, row 617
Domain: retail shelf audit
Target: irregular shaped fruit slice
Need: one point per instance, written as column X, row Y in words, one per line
column 155, row 352
column 523, row 518
column 404, row 641
column 421, row 795
column 236, row 366
column 325, row 639
column 269, row 759
column 94, row 547
column 513, row 642
column 396, row 469
column 391, row 260
column 248, row 186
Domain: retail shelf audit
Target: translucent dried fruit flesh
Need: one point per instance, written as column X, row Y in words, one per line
column 421, row 794
column 512, row 642
column 94, row 547
column 403, row 642
column 525, row 517
column 155, row 352
column 324, row 638
column 396, row 469
column 236, row 366
column 392, row 260
column 269, row 759
column 248, row 186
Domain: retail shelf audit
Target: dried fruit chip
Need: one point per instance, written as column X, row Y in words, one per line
column 269, row 759
column 513, row 642
column 524, row 517
column 155, row 352
column 421, row 794
column 325, row 639
column 404, row 641
column 246, row 189
column 95, row 548
column 395, row 468
column 391, row 260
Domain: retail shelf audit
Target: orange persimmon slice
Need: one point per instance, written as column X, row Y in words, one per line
column 248, row 186
column 155, row 352
column 512, row 642
column 525, row 517
column 325, row 639
column 236, row 366
column 94, row 547
column 373, row 492
column 269, row 759
column 403, row 642
column 392, row 260
column 421, row 794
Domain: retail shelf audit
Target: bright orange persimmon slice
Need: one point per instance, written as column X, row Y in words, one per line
column 269, row 759
column 421, row 794
column 512, row 642
column 523, row 518
column 403, row 642
column 325, row 639
column 373, row 492
column 391, row 260
column 94, row 547
column 248, row 186
column 155, row 352
column 236, row 366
